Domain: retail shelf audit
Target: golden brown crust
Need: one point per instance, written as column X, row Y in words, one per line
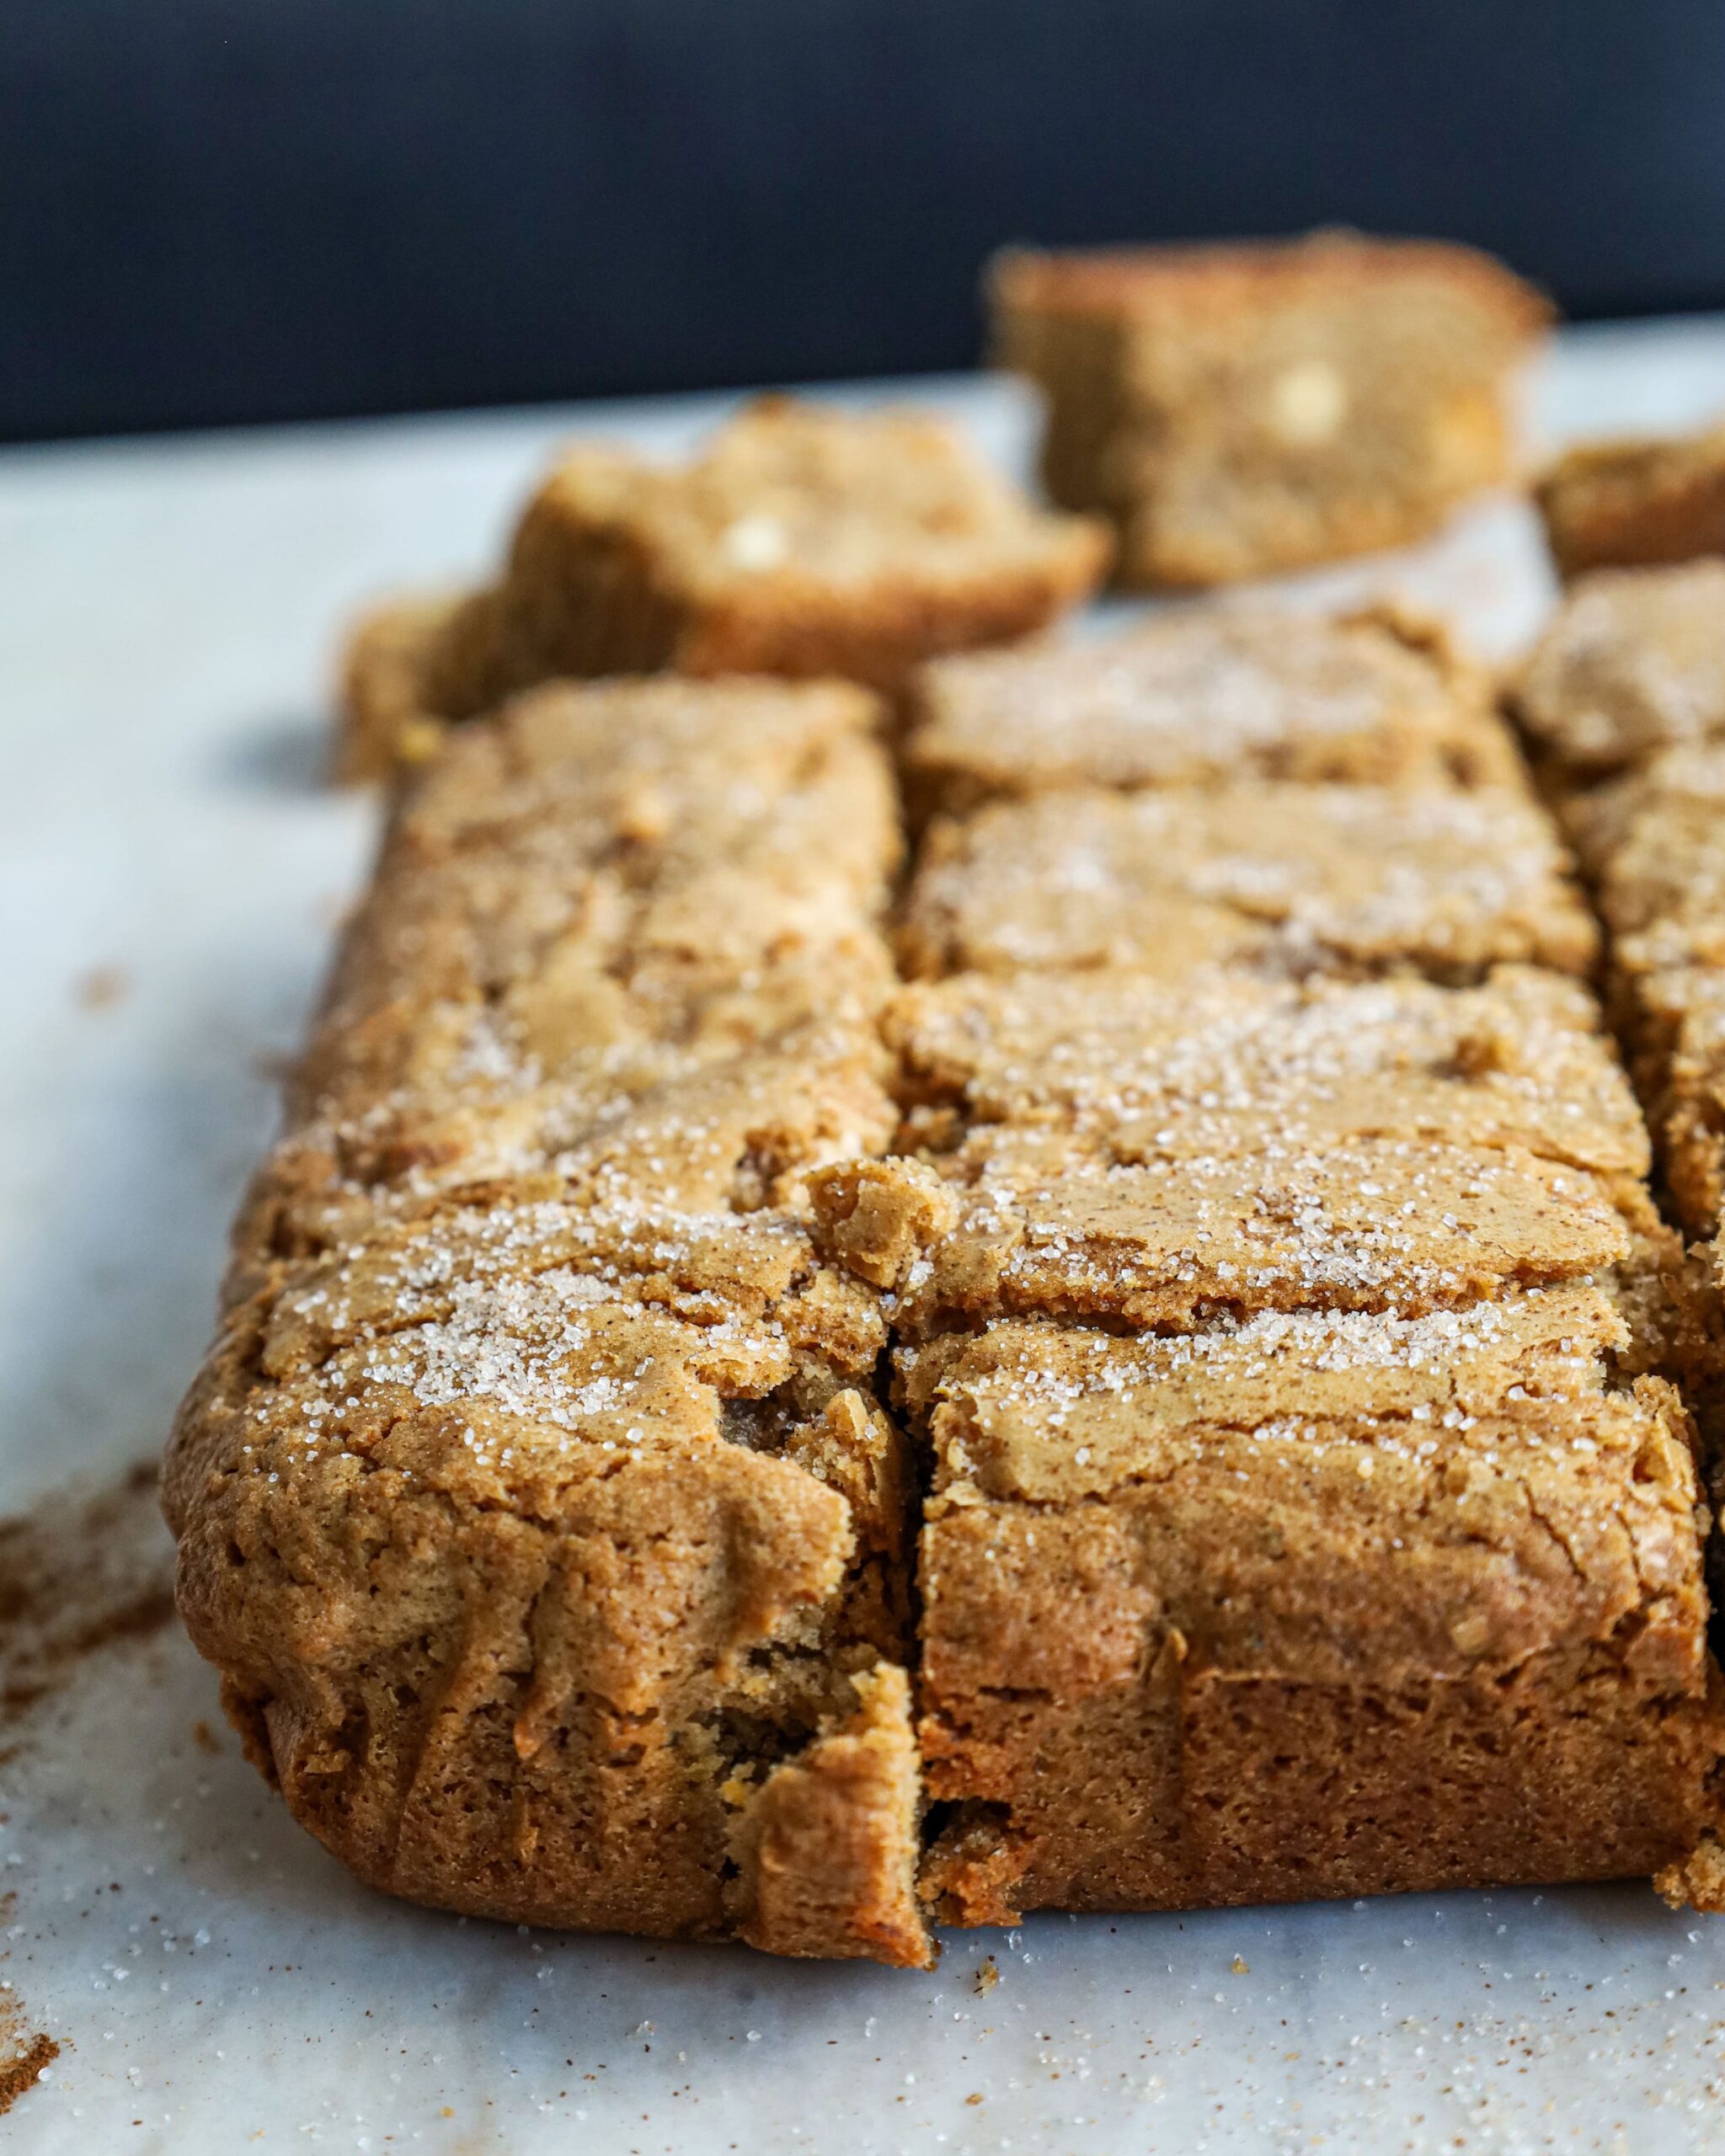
column 1239, row 410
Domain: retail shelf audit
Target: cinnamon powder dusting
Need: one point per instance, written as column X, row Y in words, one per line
column 76, row 1574
column 23, row 2072
column 84, row 1571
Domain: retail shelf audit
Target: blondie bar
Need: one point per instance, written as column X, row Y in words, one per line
column 533, row 1540
column 1646, row 499
column 1623, row 702
column 1632, row 662
column 1306, row 1602
column 802, row 541
column 536, row 1501
column 1352, row 878
column 1205, row 696
column 1239, row 410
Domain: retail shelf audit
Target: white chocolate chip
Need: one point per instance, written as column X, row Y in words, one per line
column 1308, row 404
column 755, row 543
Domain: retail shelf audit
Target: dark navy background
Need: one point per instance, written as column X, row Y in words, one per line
column 216, row 211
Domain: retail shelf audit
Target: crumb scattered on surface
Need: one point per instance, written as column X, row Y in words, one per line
column 101, row 988
column 988, row 1975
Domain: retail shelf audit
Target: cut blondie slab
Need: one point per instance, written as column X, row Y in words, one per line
column 802, row 541
column 1026, row 1224
column 1204, row 697
column 1334, row 878
column 1239, row 410
column 1228, row 1063
column 406, row 662
column 1654, row 844
column 1308, row 1604
column 1128, row 1151
column 1633, row 661
column 533, row 1540
column 534, row 1501
column 704, row 1132
column 1265, row 1264
column 628, row 937
column 1623, row 704
column 1650, row 498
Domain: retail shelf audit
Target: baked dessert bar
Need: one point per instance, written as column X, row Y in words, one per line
column 1623, row 703
column 536, row 1501
column 1646, row 499
column 1351, row 879
column 626, row 940
column 802, row 541
column 533, row 1539
column 1133, row 1059
column 1176, row 1402
column 1633, row 661
column 1654, row 842
column 408, row 662
column 1240, row 410
column 1284, row 1349
column 1306, row 1602
column 1205, row 696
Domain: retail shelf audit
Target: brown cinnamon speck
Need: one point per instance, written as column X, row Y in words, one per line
column 101, row 988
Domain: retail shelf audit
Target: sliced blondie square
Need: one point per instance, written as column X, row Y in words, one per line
column 1632, row 662
column 1300, row 878
column 554, row 1558
column 1306, row 1604
column 1239, row 410
column 801, row 541
column 1201, row 697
